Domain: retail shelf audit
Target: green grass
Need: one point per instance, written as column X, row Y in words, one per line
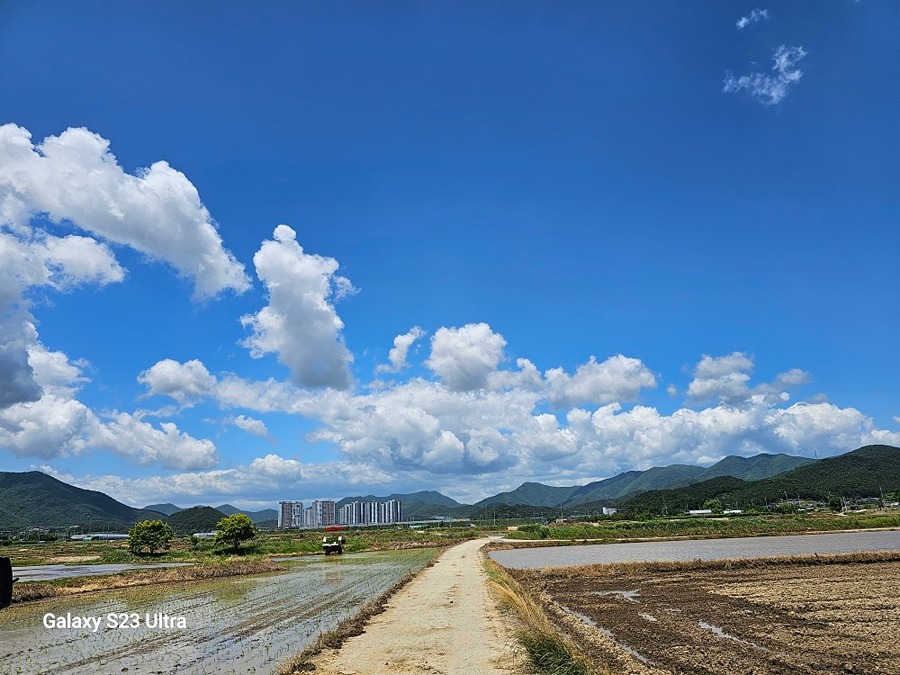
column 548, row 655
column 741, row 526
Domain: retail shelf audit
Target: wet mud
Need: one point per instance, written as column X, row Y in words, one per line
column 835, row 618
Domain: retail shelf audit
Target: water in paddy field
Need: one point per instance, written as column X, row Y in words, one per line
column 699, row 549
column 233, row 625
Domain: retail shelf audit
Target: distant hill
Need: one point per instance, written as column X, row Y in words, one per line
column 605, row 492
column 196, row 519
column 34, row 499
column 679, row 500
column 864, row 472
column 167, row 509
column 756, row 467
column 630, row 482
column 258, row 517
column 531, row 494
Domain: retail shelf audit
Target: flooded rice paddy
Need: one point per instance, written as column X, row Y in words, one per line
column 50, row 572
column 699, row 549
column 231, row 625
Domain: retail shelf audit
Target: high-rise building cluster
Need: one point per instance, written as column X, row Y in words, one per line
column 318, row 514
column 322, row 513
column 370, row 513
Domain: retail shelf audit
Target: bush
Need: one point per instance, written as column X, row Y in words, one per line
column 533, row 531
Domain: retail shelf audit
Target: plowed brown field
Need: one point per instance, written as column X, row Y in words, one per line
column 800, row 618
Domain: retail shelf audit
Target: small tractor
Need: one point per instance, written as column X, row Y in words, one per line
column 6, row 582
column 336, row 546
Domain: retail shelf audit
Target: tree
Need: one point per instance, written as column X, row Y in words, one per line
column 713, row 505
column 151, row 534
column 232, row 530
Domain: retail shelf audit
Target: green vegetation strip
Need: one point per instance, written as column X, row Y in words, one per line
column 549, row 653
column 349, row 627
column 740, row 526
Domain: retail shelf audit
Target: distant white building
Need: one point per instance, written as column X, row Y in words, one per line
column 700, row 512
column 609, row 511
column 370, row 513
column 323, row 512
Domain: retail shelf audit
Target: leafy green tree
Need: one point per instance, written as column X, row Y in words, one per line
column 232, row 530
column 835, row 503
column 713, row 505
column 154, row 535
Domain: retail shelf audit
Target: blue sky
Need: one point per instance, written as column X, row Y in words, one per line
column 604, row 236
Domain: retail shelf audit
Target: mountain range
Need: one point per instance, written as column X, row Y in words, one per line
column 34, row 499
column 257, row 517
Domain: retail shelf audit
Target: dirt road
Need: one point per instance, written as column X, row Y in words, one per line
column 443, row 622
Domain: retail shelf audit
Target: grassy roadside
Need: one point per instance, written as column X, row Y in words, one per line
column 549, row 652
column 349, row 627
column 37, row 590
column 610, row 531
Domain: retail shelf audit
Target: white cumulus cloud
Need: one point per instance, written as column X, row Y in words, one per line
column 181, row 381
column 400, row 350
column 74, row 178
column 129, row 436
column 721, row 377
column 464, row 357
column 251, row 425
column 300, row 325
column 618, row 378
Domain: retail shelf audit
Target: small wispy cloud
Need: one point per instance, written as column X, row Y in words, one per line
column 770, row 89
column 251, row 426
column 754, row 16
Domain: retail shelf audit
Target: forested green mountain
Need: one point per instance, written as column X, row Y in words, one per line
column 754, row 468
column 196, row 519
column 864, row 472
column 605, row 492
column 166, row 509
column 34, row 499
column 532, row 494
column 654, row 478
column 256, row 516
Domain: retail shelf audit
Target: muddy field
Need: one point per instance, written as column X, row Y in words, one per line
column 755, row 618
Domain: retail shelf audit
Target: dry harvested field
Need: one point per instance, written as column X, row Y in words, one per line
column 730, row 617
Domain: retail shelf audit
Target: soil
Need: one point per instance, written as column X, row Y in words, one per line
column 443, row 622
column 835, row 618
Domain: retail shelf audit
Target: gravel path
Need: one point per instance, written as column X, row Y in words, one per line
column 443, row 622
